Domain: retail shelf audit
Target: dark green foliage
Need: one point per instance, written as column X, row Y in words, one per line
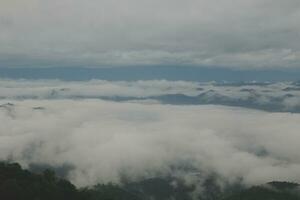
column 19, row 184
column 108, row 192
column 284, row 185
column 270, row 191
column 159, row 188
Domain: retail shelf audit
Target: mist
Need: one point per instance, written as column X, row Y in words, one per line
column 104, row 141
column 268, row 96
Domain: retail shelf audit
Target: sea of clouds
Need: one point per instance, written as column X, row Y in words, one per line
column 280, row 96
column 57, row 123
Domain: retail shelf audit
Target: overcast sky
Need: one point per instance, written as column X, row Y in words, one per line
column 247, row 34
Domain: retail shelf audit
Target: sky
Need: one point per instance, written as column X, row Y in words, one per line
column 230, row 34
column 141, row 88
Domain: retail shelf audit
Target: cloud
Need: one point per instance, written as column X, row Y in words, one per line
column 227, row 33
column 104, row 141
column 43, row 89
column 280, row 96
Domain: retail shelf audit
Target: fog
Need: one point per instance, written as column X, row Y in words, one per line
column 279, row 96
column 106, row 141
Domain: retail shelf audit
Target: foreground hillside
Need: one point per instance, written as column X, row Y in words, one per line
column 19, row 184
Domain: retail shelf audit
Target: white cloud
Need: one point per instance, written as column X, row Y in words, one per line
column 44, row 89
column 281, row 96
column 104, row 140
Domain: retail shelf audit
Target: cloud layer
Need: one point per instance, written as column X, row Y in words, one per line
column 105, row 141
column 228, row 33
column 280, row 96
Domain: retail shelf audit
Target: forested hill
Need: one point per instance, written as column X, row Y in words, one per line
column 19, row 184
